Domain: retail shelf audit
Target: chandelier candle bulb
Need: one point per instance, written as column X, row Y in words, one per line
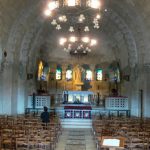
column 71, row 29
column 93, row 42
column 52, row 5
column 60, row 18
column 58, row 27
column 73, row 39
column 95, row 4
column 86, row 29
column 98, row 16
column 62, row 41
column 47, row 13
column 85, row 39
column 71, row 2
column 54, row 22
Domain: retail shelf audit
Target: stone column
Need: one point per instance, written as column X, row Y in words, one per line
column 6, row 89
column 64, row 69
column 92, row 68
column 134, row 92
column 21, row 92
column 146, row 91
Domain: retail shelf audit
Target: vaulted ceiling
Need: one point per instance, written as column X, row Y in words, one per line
column 123, row 36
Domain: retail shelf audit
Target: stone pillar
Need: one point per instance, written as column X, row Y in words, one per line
column 146, row 91
column 134, row 92
column 93, row 83
column 21, row 91
column 21, row 97
column 6, row 89
column 64, row 69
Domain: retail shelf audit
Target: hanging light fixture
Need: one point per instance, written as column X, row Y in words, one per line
column 72, row 15
column 77, row 44
column 68, row 12
column 95, row 4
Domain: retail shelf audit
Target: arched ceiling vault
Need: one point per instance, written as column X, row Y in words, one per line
column 122, row 34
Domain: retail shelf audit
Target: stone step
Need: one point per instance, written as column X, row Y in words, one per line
column 76, row 123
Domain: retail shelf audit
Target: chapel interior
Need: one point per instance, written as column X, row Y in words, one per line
column 87, row 61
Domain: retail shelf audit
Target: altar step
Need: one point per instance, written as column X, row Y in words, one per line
column 76, row 123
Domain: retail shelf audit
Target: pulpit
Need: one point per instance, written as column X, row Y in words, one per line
column 112, row 143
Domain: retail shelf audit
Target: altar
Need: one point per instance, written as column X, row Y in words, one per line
column 78, row 97
column 78, row 111
column 77, row 104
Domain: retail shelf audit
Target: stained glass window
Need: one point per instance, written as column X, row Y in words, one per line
column 114, row 75
column 88, row 75
column 99, row 74
column 69, row 74
column 58, row 74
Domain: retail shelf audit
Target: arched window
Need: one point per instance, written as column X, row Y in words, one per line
column 88, row 75
column 58, row 73
column 69, row 74
column 43, row 70
column 99, row 74
column 114, row 72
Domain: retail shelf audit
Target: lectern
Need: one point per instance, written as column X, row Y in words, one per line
column 112, row 142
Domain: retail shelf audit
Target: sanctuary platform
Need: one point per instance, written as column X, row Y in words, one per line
column 77, row 108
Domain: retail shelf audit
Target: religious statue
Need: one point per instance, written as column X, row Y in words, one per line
column 77, row 77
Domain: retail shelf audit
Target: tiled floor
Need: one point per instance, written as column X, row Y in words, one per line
column 76, row 139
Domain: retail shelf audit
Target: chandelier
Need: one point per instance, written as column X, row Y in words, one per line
column 77, row 44
column 61, row 12
column 72, row 17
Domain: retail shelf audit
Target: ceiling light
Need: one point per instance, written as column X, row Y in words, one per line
column 98, row 16
column 71, row 29
column 62, row 18
column 73, row 39
column 58, row 27
column 86, row 29
column 75, row 25
column 95, row 4
column 54, row 22
column 96, row 26
column 69, row 46
column 47, row 12
column 71, row 2
column 77, row 46
column 67, row 15
column 62, row 41
column 85, row 39
column 52, row 5
column 75, row 51
column 88, row 49
column 93, row 42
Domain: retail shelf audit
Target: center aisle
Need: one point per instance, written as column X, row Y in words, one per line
column 76, row 139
